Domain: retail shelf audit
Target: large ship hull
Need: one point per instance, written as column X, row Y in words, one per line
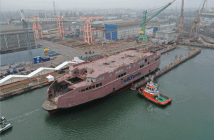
column 110, row 94
column 109, row 87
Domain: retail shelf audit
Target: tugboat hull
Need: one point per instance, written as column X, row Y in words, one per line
column 161, row 100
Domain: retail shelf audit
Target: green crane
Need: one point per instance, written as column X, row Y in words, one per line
column 142, row 32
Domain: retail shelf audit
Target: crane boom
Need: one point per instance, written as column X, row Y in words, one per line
column 158, row 12
column 144, row 21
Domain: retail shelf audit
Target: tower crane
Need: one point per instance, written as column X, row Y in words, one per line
column 196, row 23
column 142, row 32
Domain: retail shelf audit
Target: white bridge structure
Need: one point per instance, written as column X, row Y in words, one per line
column 15, row 78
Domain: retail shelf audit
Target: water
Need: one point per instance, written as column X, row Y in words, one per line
column 125, row 116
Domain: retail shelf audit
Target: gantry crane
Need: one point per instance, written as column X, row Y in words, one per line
column 87, row 28
column 142, row 32
column 196, row 24
column 60, row 26
column 37, row 27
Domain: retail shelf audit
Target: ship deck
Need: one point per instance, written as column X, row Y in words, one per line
column 111, row 63
column 47, row 105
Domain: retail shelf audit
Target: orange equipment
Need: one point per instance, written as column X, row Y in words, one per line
column 37, row 27
column 60, row 26
column 87, row 28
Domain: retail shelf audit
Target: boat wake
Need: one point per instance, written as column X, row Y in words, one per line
column 23, row 115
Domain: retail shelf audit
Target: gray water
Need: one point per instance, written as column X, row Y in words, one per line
column 126, row 116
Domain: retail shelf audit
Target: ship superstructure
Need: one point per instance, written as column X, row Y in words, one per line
column 92, row 80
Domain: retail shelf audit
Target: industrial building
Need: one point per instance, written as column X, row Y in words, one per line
column 14, row 48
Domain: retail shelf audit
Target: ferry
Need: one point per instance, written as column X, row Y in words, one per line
column 99, row 78
column 151, row 93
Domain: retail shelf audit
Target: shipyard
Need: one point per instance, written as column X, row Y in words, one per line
column 90, row 72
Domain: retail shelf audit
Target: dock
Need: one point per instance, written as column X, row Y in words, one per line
column 166, row 69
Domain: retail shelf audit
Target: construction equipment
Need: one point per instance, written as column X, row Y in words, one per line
column 25, row 27
column 37, row 27
column 88, row 30
column 196, row 24
column 61, row 31
column 142, row 32
column 180, row 26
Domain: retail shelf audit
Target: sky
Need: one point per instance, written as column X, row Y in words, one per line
column 12, row 5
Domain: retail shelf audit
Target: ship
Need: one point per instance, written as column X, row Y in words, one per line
column 151, row 93
column 89, row 81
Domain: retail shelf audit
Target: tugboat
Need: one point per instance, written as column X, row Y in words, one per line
column 151, row 93
column 4, row 124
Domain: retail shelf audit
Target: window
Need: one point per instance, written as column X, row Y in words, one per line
column 82, row 90
column 148, row 63
column 145, row 60
column 97, row 85
column 141, row 66
column 134, row 65
column 150, row 58
column 100, row 84
column 90, row 87
column 121, row 75
column 86, row 89
column 93, row 86
column 110, row 75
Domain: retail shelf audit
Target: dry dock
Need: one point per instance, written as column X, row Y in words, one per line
column 166, row 69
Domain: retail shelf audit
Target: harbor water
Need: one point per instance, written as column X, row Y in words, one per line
column 126, row 115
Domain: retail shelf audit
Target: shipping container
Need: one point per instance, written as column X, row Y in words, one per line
column 37, row 59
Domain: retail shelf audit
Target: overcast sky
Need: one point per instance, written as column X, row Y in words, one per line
column 71, row 4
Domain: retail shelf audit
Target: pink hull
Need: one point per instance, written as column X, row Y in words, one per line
column 109, row 85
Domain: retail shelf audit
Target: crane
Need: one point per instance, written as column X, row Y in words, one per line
column 142, row 32
column 195, row 23
column 37, row 27
column 180, row 27
column 25, row 27
column 87, row 28
column 61, row 31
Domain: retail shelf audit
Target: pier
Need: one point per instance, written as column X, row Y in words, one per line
column 166, row 69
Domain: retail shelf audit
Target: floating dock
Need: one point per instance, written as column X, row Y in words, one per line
column 166, row 69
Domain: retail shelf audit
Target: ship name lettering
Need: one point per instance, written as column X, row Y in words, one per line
column 132, row 77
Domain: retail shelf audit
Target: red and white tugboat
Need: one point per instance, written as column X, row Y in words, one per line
column 151, row 92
